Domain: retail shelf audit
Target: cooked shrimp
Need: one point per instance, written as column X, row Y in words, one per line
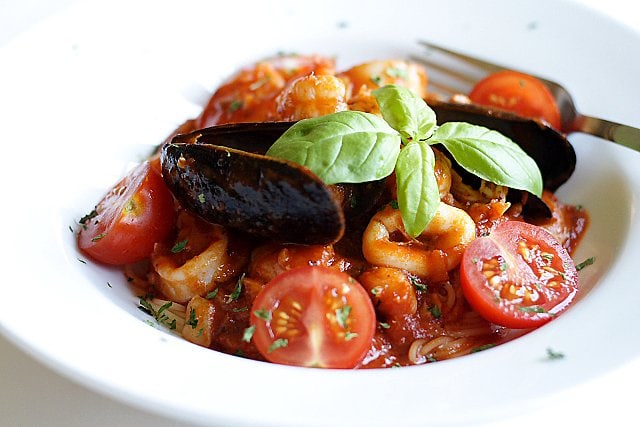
column 432, row 255
column 201, row 258
column 250, row 95
column 391, row 291
column 312, row 96
column 272, row 259
column 364, row 78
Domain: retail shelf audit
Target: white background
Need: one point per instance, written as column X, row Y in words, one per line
column 31, row 394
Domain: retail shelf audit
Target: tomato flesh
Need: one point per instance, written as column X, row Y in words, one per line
column 519, row 276
column 519, row 93
column 313, row 316
column 130, row 219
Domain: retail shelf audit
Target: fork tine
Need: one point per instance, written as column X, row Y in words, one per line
column 487, row 66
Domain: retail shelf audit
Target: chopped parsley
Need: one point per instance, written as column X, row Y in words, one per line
column 98, row 237
column 88, row 216
column 532, row 309
column 235, row 106
column 585, row 263
column 159, row 315
column 546, row 256
column 435, row 311
column 482, row 348
column 236, row 291
column 212, row 294
column 342, row 316
column 279, row 343
column 263, row 314
column 554, row 355
column 248, row 333
column 417, row 284
column 180, row 246
column 350, row 335
column 193, row 319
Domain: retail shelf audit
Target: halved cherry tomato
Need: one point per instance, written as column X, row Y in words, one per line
column 519, row 276
column 130, row 219
column 313, row 316
column 519, row 93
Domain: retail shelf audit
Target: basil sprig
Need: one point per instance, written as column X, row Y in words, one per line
column 352, row 146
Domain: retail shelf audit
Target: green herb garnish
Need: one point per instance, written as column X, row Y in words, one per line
column 193, row 319
column 279, row 343
column 352, row 147
column 248, row 333
column 585, row 263
column 236, row 291
column 180, row 246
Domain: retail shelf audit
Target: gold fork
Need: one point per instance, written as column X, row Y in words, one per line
column 452, row 72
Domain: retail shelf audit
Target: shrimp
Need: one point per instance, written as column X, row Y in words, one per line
column 362, row 79
column 432, row 255
column 312, row 96
column 391, row 291
column 202, row 258
column 272, row 259
column 250, row 95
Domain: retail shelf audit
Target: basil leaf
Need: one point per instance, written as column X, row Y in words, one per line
column 406, row 112
column 490, row 155
column 418, row 195
column 348, row 146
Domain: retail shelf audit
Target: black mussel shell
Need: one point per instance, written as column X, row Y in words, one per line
column 551, row 151
column 258, row 195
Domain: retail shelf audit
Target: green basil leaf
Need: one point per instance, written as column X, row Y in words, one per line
column 490, row 155
column 418, row 195
column 406, row 112
column 348, row 146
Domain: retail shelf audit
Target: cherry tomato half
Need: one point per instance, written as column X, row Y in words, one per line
column 519, row 276
column 313, row 316
column 519, row 93
column 130, row 219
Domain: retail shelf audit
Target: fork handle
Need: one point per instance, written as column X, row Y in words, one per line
column 612, row 131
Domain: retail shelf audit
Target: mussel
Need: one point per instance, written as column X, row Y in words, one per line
column 551, row 151
column 222, row 174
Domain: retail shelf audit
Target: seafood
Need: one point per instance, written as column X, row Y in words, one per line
column 312, row 96
column 204, row 258
column 250, row 95
column 253, row 193
column 551, row 151
column 260, row 195
column 432, row 255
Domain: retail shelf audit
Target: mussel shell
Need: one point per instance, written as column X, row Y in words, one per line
column 358, row 201
column 551, row 151
column 259, row 195
column 250, row 137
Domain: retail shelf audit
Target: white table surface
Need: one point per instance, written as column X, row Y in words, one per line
column 31, row 394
